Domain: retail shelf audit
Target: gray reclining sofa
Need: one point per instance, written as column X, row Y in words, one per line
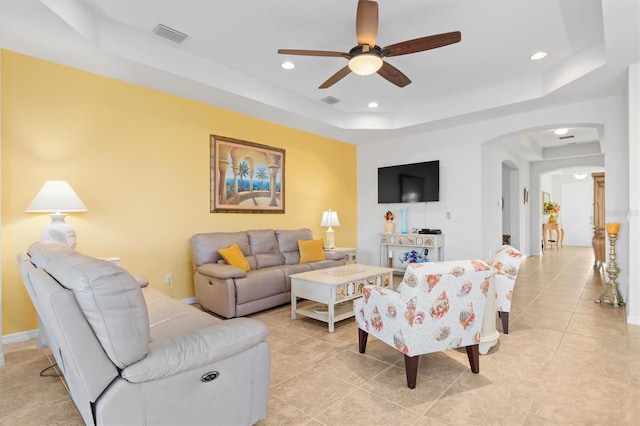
column 273, row 256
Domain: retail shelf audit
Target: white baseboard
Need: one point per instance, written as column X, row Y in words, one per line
column 33, row 334
column 23, row 336
column 633, row 319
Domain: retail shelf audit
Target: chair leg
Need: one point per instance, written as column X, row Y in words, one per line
column 473, row 353
column 362, row 340
column 411, row 370
column 504, row 316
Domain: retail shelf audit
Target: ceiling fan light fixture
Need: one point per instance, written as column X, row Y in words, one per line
column 365, row 64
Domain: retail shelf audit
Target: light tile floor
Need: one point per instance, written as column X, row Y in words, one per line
column 566, row 361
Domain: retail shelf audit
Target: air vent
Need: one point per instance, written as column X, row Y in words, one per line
column 566, row 137
column 330, row 100
column 169, row 33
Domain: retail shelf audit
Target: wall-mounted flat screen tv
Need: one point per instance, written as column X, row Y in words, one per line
column 409, row 183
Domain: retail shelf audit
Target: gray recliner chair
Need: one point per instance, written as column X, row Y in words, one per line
column 133, row 355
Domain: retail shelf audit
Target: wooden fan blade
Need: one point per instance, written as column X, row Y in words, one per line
column 367, row 22
column 336, row 78
column 393, row 75
column 312, row 53
column 423, row 43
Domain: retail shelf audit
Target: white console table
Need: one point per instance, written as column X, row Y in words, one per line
column 401, row 243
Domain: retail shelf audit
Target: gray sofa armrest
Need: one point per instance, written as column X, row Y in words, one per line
column 221, row 271
column 334, row 255
column 196, row 348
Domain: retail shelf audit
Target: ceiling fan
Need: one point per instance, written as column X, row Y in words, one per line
column 367, row 57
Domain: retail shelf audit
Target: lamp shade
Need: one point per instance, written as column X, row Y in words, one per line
column 56, row 196
column 330, row 218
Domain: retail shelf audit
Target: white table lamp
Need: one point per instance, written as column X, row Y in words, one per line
column 57, row 197
column 330, row 218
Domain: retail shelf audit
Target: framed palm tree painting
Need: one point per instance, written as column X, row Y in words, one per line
column 246, row 177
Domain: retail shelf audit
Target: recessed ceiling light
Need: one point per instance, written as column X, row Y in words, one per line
column 561, row 132
column 538, row 55
column 373, row 104
column 288, row 65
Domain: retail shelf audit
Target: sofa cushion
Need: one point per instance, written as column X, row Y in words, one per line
column 291, row 257
column 264, row 248
column 109, row 297
column 288, row 243
column 265, row 260
column 294, row 269
column 259, row 284
column 288, row 239
column 311, row 251
column 205, row 246
column 195, row 347
column 262, row 241
column 233, row 256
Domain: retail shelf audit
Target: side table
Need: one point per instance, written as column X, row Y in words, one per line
column 547, row 229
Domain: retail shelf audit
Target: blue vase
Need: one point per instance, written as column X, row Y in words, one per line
column 403, row 210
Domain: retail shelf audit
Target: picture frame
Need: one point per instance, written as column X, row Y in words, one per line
column 246, row 177
column 525, row 196
column 546, row 197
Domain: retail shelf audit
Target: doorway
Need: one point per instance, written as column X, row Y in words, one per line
column 572, row 189
column 510, row 204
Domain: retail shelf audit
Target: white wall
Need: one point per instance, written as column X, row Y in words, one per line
column 459, row 197
column 495, row 153
column 471, row 183
column 506, row 195
column 513, row 208
column 633, row 294
column 517, row 208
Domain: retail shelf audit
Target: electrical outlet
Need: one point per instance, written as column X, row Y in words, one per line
column 168, row 279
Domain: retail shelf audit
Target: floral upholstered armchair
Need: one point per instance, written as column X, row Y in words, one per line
column 438, row 306
column 506, row 263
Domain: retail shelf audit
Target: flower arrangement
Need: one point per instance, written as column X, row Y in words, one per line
column 551, row 208
column 388, row 215
column 413, row 257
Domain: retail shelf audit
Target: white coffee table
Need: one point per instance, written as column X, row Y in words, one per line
column 333, row 287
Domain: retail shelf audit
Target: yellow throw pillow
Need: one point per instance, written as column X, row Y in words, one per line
column 311, row 250
column 233, row 256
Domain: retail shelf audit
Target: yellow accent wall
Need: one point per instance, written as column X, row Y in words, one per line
column 140, row 161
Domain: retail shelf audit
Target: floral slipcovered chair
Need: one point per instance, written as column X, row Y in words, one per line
column 438, row 306
column 506, row 263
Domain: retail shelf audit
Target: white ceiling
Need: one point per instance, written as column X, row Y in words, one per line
column 230, row 57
